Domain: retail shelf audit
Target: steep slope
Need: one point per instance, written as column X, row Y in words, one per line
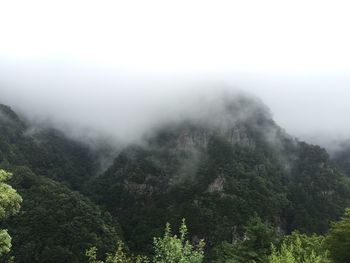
column 341, row 157
column 45, row 151
column 218, row 172
column 318, row 191
column 55, row 224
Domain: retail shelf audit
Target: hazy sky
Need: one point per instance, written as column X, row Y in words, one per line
column 133, row 62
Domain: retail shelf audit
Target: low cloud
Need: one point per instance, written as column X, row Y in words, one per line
column 90, row 103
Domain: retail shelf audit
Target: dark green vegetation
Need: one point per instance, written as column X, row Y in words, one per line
column 338, row 240
column 55, row 224
column 218, row 178
column 169, row 248
column 239, row 180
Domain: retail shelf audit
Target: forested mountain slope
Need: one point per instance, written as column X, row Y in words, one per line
column 46, row 151
column 55, row 224
column 220, row 171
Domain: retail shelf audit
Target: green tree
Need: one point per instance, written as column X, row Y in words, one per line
column 338, row 239
column 10, row 203
column 173, row 249
column 300, row 248
column 254, row 246
column 167, row 249
column 120, row 256
column 56, row 224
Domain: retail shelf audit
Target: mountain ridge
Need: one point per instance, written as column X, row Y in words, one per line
column 218, row 171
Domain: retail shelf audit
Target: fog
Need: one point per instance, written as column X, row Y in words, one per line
column 119, row 69
column 90, row 102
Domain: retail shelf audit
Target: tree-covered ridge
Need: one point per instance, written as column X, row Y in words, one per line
column 55, row 223
column 240, row 181
column 218, row 178
column 318, row 191
column 47, row 152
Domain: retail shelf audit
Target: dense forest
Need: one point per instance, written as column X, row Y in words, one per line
column 235, row 185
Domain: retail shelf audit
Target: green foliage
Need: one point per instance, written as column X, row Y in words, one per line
column 10, row 203
column 167, row 249
column 318, row 192
column 338, row 239
column 300, row 248
column 258, row 237
column 295, row 184
column 173, row 249
column 47, row 152
column 5, row 242
column 55, row 223
column 226, row 181
column 215, row 198
column 120, row 256
column 341, row 157
column 10, row 200
column 223, row 253
column 254, row 246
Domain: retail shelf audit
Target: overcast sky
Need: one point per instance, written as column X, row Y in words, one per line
column 139, row 61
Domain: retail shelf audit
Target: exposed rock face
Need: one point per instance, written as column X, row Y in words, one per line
column 217, row 185
column 174, row 154
column 189, row 139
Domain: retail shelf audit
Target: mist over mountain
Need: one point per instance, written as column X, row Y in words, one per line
column 95, row 103
column 174, row 131
column 208, row 161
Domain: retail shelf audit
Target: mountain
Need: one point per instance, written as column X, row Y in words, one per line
column 46, row 151
column 218, row 172
column 230, row 165
column 55, row 223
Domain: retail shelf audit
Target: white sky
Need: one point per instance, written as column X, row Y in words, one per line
column 182, row 35
column 295, row 55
